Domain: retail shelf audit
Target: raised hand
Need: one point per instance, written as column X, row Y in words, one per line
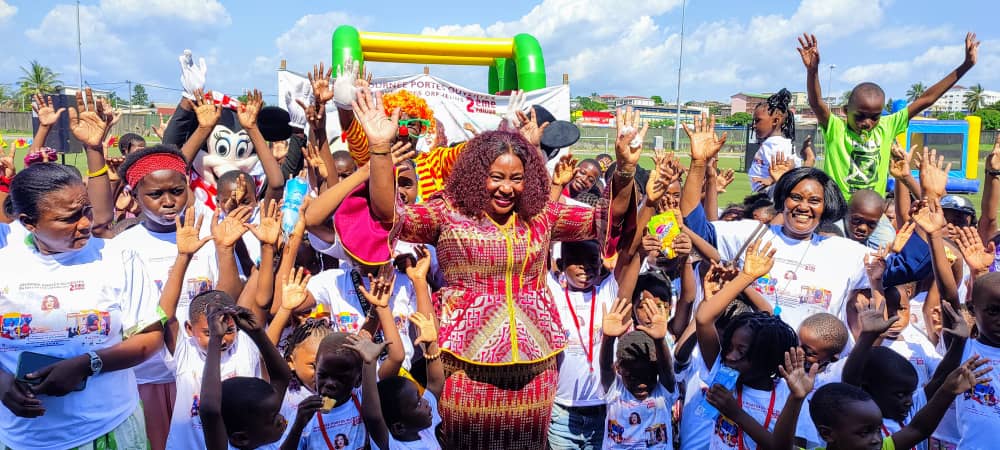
column 380, row 288
column 515, row 105
column 380, row 129
column 718, row 275
column 617, row 321
column 724, row 179
column 631, row 133
column 565, row 169
column 971, row 49
column 268, row 232
column 368, row 350
column 244, row 319
column 930, row 218
column 968, row 375
column 158, row 130
column 875, row 264
column 426, row 330
column 230, row 229
column 959, row 327
column 871, row 316
column 899, row 167
column 780, row 165
column 402, row 151
column 188, row 242
column 657, row 328
column 293, row 291
column 993, row 159
column 249, row 109
column 809, row 51
column 933, row 174
column 7, row 162
column 206, row 110
column 237, row 195
column 311, row 154
column 87, row 120
column 800, row 383
column 705, row 144
column 344, row 89
column 977, row 256
column 218, row 320
column 47, row 114
column 422, row 267
column 758, row 259
column 192, row 75
column 903, row 236
column 320, row 81
column 529, row 127
column 315, row 114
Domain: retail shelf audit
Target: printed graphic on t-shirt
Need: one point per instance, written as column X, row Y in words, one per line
column 89, row 326
column 347, row 322
column 864, row 164
column 727, row 431
column 982, row 393
column 198, row 285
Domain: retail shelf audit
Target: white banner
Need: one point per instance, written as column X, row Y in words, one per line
column 454, row 106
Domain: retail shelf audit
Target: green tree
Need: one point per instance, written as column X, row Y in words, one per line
column 664, row 123
column 990, row 118
column 139, row 95
column 714, row 110
column 915, row 91
column 6, row 97
column 740, row 118
column 845, row 97
column 37, row 79
column 888, row 104
column 973, row 98
column 657, row 99
column 114, row 99
column 587, row 104
column 949, row 116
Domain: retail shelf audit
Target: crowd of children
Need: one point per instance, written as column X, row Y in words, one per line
column 816, row 314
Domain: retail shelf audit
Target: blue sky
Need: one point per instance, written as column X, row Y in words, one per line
column 609, row 46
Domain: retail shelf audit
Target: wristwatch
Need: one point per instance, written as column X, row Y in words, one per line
column 96, row 364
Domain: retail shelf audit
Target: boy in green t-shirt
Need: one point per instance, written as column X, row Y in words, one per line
column 857, row 153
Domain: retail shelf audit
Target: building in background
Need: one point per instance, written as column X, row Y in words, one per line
column 954, row 100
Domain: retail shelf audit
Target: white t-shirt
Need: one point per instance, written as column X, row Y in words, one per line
column 427, row 439
column 335, row 249
column 11, row 232
column 633, row 423
column 580, row 380
column 289, row 410
column 761, row 166
column 915, row 347
column 249, row 240
column 242, row 359
column 65, row 305
column 159, row 251
column 805, row 428
column 334, row 290
column 978, row 410
column 808, row 277
column 343, row 424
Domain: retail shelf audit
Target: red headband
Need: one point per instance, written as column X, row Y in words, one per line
column 153, row 162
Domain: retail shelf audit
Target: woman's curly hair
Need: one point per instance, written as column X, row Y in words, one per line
column 411, row 104
column 466, row 188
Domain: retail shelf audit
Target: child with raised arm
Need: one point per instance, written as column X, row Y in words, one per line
column 241, row 412
column 639, row 387
column 857, row 151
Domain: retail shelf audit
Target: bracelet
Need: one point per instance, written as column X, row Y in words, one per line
column 623, row 174
column 99, row 172
column 993, row 173
column 378, row 153
column 432, row 357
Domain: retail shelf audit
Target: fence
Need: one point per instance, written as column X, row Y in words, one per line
column 602, row 140
column 129, row 123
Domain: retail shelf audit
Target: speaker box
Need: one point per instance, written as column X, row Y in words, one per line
column 60, row 136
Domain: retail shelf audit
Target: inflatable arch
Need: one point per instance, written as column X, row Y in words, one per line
column 515, row 63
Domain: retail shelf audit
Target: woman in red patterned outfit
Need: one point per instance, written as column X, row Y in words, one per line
column 492, row 226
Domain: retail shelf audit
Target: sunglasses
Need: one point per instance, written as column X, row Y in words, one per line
column 415, row 123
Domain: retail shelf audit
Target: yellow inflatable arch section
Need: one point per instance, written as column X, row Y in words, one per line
column 515, row 63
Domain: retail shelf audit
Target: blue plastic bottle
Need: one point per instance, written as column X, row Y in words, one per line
column 727, row 378
column 295, row 193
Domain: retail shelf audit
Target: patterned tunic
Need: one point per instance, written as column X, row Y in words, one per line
column 433, row 167
column 496, row 308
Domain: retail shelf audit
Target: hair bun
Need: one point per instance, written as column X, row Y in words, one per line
column 780, row 100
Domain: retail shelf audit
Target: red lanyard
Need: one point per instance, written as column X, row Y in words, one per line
column 888, row 434
column 322, row 428
column 589, row 349
column 767, row 419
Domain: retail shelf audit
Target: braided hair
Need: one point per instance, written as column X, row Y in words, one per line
column 309, row 329
column 781, row 102
column 772, row 337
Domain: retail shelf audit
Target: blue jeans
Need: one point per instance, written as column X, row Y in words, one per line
column 577, row 428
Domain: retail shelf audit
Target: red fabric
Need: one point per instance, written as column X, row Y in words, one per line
column 151, row 163
column 363, row 237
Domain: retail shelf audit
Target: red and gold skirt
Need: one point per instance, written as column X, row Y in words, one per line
column 497, row 407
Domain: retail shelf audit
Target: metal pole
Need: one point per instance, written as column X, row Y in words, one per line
column 129, row 95
column 79, row 45
column 829, row 79
column 680, row 63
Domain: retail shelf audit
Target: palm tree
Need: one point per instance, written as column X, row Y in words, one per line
column 974, row 98
column 845, row 97
column 916, row 90
column 37, row 79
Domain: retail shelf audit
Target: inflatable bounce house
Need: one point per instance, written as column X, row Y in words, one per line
column 956, row 140
column 515, row 63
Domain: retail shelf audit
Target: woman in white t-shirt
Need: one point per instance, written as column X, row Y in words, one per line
column 774, row 126
column 156, row 177
column 101, row 320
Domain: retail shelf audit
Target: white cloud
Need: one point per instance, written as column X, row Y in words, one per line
column 6, row 11
column 895, row 37
column 308, row 41
column 204, row 12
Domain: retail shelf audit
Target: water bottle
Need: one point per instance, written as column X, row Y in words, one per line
column 727, row 378
column 296, row 190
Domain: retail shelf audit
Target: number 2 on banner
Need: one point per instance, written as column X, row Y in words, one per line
column 471, row 103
